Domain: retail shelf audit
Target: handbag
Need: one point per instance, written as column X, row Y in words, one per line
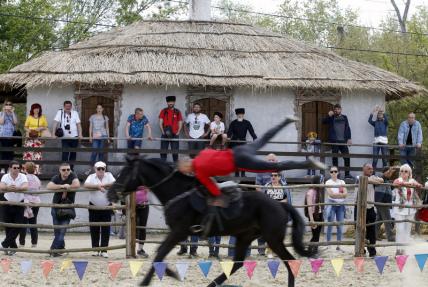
column 59, row 132
column 34, row 133
column 65, row 213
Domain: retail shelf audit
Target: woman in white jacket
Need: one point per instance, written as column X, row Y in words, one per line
column 404, row 193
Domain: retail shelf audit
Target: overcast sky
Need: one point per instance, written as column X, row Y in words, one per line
column 371, row 11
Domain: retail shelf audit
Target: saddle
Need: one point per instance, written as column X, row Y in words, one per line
column 204, row 203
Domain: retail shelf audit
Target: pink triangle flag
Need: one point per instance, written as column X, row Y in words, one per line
column 47, row 267
column 316, row 264
column 5, row 264
column 359, row 264
column 295, row 266
column 250, row 266
column 401, row 261
column 113, row 268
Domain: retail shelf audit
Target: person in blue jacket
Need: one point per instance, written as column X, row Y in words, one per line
column 379, row 120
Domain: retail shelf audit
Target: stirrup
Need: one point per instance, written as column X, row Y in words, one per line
column 197, row 228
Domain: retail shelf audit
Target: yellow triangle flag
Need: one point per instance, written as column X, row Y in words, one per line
column 227, row 267
column 65, row 264
column 337, row 265
column 135, row 266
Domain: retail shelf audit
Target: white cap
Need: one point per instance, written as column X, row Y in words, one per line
column 100, row 164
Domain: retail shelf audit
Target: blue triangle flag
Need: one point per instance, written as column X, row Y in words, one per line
column 273, row 267
column 380, row 262
column 421, row 259
column 80, row 267
column 160, row 268
column 205, row 267
column 26, row 266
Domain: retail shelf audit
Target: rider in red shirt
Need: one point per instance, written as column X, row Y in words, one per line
column 209, row 163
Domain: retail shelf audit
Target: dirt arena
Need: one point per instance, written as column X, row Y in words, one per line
column 97, row 272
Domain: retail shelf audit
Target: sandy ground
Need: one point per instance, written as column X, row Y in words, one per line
column 97, row 272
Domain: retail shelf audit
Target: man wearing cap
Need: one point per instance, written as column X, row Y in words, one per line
column 170, row 123
column 238, row 131
column 98, row 183
column 339, row 132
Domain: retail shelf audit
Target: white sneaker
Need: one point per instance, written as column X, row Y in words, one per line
column 97, row 253
column 104, row 254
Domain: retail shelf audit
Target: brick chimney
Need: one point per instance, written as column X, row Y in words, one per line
column 200, row 10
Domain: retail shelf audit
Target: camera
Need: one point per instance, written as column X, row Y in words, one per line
column 67, row 127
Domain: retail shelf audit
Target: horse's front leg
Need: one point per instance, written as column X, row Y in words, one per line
column 166, row 246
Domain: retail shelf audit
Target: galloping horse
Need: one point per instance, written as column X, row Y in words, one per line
column 261, row 216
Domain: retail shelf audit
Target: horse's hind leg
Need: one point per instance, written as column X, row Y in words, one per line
column 278, row 247
column 241, row 246
column 166, row 246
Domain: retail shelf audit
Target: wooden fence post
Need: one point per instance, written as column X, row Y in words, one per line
column 360, row 228
column 130, row 226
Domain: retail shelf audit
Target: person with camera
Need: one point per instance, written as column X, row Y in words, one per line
column 134, row 129
column 8, row 123
column 170, row 123
column 67, row 126
column 67, row 182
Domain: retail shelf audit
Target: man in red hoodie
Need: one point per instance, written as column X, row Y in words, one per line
column 209, row 163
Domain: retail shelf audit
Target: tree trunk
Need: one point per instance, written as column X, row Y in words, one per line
column 402, row 19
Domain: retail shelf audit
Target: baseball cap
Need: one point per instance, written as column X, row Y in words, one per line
column 100, row 164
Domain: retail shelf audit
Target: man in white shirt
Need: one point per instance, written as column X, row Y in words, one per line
column 69, row 121
column 196, row 127
column 99, row 182
column 13, row 182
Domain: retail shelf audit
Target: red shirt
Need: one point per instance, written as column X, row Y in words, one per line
column 171, row 117
column 210, row 163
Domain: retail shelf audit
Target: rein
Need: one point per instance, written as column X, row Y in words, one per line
column 165, row 179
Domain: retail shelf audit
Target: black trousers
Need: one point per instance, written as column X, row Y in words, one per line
column 245, row 158
column 98, row 232
column 142, row 214
column 12, row 214
column 197, row 146
column 6, row 155
column 317, row 231
column 174, row 147
column 69, row 156
column 371, row 230
column 33, row 231
column 343, row 149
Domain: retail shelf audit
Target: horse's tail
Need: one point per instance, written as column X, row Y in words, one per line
column 298, row 231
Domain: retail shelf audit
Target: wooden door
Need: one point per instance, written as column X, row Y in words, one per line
column 89, row 106
column 312, row 115
column 212, row 105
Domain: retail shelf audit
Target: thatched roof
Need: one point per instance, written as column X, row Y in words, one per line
column 202, row 53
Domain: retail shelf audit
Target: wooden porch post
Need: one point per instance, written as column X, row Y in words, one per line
column 360, row 228
column 130, row 226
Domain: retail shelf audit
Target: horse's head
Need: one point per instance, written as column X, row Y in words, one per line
column 129, row 179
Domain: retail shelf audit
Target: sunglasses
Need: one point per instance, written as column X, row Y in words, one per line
column 101, row 168
column 405, row 171
column 15, row 167
column 333, row 171
column 65, row 169
column 274, row 175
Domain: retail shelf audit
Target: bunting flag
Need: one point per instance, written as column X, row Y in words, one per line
column 250, row 266
column 26, row 266
column 380, row 262
column 182, row 269
column 160, row 268
column 337, row 265
column 5, row 264
column 47, row 266
column 421, row 259
column 227, row 267
column 273, row 267
column 65, row 264
column 135, row 266
column 113, row 268
column 205, row 267
column 316, row 264
column 359, row 264
column 400, row 260
column 295, row 266
column 80, row 267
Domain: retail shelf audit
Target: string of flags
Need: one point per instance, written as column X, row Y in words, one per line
column 205, row 266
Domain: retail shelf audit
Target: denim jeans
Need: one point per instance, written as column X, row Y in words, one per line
column 214, row 250
column 231, row 251
column 98, row 144
column 338, row 212
column 405, row 152
column 383, row 150
column 193, row 248
column 59, row 233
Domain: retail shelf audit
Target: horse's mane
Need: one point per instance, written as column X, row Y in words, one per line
column 166, row 168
